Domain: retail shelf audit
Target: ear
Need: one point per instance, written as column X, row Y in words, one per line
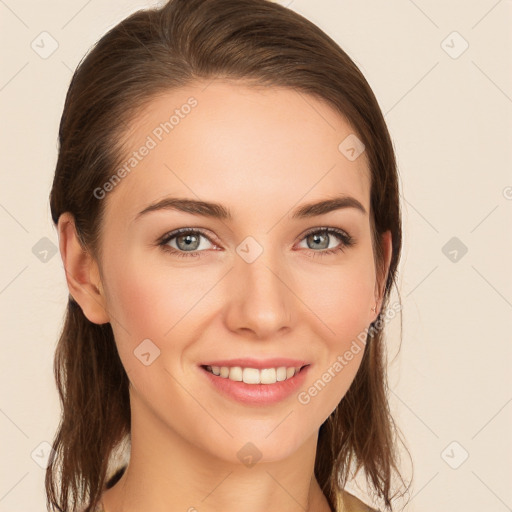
column 380, row 282
column 82, row 273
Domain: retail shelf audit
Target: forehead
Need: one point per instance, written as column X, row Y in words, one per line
column 246, row 146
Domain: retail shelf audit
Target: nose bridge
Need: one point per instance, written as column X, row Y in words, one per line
column 261, row 300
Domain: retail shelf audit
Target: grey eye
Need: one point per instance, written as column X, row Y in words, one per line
column 187, row 241
column 320, row 239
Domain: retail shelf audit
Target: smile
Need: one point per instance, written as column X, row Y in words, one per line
column 253, row 386
column 254, row 375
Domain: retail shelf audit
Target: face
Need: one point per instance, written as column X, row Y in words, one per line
column 262, row 282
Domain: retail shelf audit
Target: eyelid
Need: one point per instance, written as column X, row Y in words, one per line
column 331, row 229
column 177, row 232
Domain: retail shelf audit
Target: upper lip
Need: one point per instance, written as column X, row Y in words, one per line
column 247, row 362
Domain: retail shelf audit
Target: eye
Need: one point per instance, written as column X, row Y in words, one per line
column 186, row 240
column 321, row 238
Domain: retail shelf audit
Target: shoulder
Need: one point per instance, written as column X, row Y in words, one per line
column 349, row 503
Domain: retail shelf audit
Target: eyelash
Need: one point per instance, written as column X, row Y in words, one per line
column 345, row 239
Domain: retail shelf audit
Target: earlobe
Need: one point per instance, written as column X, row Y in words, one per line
column 82, row 273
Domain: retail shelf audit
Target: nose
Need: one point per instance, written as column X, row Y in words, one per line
column 260, row 300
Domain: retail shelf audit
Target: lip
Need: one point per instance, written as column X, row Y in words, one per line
column 256, row 394
column 260, row 364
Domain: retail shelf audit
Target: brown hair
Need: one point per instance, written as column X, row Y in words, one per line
column 152, row 52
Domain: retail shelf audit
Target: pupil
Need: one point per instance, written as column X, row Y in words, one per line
column 189, row 239
column 316, row 238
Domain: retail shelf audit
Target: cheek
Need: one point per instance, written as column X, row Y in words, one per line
column 341, row 298
column 146, row 295
column 141, row 303
column 166, row 305
column 144, row 301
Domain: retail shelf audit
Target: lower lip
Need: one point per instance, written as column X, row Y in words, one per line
column 257, row 394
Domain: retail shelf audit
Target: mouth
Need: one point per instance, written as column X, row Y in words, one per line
column 253, row 376
column 256, row 387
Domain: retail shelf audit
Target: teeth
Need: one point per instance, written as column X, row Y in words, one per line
column 235, row 373
column 253, row 375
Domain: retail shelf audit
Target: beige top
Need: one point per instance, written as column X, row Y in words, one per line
column 353, row 504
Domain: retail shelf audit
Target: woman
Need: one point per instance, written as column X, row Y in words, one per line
column 226, row 198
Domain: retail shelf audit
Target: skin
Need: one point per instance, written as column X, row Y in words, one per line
column 261, row 153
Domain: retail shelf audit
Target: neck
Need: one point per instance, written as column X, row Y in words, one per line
column 167, row 473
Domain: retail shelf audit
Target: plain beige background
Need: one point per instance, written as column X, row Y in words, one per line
column 442, row 74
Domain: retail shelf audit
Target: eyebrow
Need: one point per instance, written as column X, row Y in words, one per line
column 218, row 211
